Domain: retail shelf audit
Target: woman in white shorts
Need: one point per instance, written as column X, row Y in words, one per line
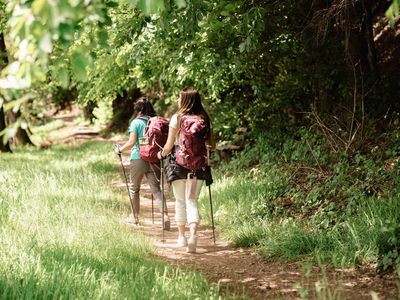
column 186, row 207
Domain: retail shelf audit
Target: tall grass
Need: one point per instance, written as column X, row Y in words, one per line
column 61, row 235
column 331, row 219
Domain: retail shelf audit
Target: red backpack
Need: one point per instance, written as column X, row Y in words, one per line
column 192, row 151
column 154, row 138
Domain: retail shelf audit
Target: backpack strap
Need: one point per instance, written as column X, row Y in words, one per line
column 143, row 117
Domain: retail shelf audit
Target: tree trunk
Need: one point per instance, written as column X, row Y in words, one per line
column 361, row 41
column 367, row 32
column 3, row 147
column 3, row 62
column 21, row 136
column 123, row 110
column 3, row 52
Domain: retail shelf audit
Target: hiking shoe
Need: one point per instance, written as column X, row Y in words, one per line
column 181, row 242
column 192, row 243
column 167, row 223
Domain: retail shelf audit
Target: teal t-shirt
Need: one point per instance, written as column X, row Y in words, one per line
column 137, row 126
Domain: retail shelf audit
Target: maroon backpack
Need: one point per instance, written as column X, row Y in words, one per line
column 192, row 150
column 154, row 138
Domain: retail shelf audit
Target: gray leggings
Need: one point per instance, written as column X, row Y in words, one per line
column 138, row 169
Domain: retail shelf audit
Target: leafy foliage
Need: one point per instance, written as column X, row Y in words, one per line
column 388, row 243
column 393, row 12
column 37, row 26
column 258, row 64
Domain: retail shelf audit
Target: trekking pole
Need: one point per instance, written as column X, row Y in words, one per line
column 212, row 213
column 162, row 196
column 209, row 193
column 152, row 195
column 152, row 208
column 127, row 187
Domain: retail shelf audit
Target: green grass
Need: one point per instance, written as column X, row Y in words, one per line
column 330, row 220
column 61, row 234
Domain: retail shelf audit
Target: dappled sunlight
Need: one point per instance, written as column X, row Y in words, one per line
column 301, row 132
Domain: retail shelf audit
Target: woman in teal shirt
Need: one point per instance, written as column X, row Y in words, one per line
column 139, row 167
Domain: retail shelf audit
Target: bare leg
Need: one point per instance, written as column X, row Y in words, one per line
column 182, row 242
column 192, row 242
column 181, row 230
column 193, row 228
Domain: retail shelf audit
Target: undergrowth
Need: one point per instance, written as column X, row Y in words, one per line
column 292, row 197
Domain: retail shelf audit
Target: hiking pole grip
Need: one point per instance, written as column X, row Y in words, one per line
column 126, row 182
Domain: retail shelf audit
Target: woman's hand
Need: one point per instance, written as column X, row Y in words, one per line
column 129, row 144
column 117, row 149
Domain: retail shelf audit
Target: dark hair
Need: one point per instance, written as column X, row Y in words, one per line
column 144, row 107
column 190, row 103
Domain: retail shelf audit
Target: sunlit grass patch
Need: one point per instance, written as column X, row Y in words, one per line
column 61, row 234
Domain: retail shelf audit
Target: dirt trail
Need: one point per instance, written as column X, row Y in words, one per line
column 242, row 271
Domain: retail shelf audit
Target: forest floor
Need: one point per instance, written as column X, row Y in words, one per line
column 241, row 271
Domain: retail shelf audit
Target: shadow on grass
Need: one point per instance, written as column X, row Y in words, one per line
column 66, row 273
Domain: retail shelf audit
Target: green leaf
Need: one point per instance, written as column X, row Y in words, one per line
column 112, row 4
column 9, row 105
column 64, row 78
column 5, row 136
column 42, row 10
column 230, row 7
column 107, row 20
column 151, row 6
column 133, row 2
column 24, row 125
column 180, row 3
column 66, row 31
column 79, row 63
column 38, row 6
column 393, row 12
column 45, row 43
column 11, row 131
column 242, row 47
column 19, row 27
column 102, row 36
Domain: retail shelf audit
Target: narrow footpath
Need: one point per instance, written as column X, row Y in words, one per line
column 241, row 271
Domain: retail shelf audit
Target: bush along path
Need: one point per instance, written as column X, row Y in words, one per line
column 244, row 273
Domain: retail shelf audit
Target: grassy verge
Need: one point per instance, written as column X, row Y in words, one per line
column 293, row 199
column 61, row 235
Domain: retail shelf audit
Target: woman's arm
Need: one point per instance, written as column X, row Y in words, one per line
column 130, row 143
column 169, row 145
